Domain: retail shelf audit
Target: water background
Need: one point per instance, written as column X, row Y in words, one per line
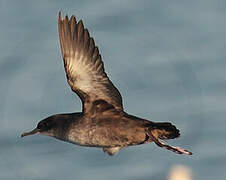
column 167, row 58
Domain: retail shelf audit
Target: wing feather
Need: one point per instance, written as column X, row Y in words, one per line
column 84, row 66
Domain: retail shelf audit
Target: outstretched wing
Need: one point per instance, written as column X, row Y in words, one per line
column 84, row 67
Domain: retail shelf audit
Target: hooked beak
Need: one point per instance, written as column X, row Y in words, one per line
column 34, row 131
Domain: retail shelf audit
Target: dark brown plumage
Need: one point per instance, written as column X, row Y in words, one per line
column 102, row 122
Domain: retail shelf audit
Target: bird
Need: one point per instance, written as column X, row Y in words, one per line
column 102, row 123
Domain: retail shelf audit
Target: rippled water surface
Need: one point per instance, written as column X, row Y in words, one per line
column 167, row 58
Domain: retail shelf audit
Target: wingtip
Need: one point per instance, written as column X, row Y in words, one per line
column 66, row 18
column 72, row 18
column 80, row 23
column 59, row 15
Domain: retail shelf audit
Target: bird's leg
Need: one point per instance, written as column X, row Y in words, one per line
column 177, row 150
column 112, row 150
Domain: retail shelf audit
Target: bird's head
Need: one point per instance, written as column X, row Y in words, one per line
column 46, row 126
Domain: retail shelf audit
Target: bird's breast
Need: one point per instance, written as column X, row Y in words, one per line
column 88, row 135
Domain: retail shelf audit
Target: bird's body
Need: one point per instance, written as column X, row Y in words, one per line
column 107, row 131
column 102, row 122
column 111, row 130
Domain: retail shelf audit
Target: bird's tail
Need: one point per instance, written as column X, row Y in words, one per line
column 164, row 130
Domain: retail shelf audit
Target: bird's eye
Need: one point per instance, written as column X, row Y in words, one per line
column 42, row 125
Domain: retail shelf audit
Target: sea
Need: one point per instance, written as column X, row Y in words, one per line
column 168, row 60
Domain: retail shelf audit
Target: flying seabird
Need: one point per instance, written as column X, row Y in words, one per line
column 103, row 122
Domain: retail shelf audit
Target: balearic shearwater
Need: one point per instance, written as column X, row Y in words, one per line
column 102, row 122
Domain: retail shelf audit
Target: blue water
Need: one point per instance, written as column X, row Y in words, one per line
column 167, row 58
